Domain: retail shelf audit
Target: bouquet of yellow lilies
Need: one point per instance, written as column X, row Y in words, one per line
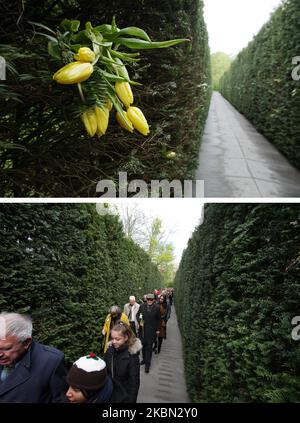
column 94, row 63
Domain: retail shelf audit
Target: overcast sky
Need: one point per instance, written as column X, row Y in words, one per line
column 232, row 24
column 179, row 217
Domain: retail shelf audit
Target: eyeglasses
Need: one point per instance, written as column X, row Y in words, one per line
column 150, row 299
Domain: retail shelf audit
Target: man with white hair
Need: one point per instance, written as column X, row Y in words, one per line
column 29, row 371
column 131, row 310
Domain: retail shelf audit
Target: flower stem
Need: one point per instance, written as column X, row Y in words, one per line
column 81, row 92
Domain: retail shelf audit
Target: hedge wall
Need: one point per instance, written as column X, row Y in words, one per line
column 65, row 265
column 260, row 84
column 45, row 152
column 237, row 290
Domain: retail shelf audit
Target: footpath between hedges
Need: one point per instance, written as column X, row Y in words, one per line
column 166, row 382
column 236, row 161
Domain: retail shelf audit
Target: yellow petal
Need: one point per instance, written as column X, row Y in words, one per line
column 85, row 54
column 73, row 73
column 108, row 104
column 124, row 92
column 90, row 122
column 102, row 116
column 124, row 122
column 138, row 120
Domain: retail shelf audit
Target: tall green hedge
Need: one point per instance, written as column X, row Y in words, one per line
column 65, row 266
column 45, row 152
column 260, row 84
column 237, row 291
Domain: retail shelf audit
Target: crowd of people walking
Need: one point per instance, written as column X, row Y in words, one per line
column 32, row 372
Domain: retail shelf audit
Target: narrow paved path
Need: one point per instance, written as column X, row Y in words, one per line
column 165, row 383
column 236, row 161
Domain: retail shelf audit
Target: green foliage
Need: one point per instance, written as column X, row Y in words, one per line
column 260, row 84
column 237, row 291
column 220, row 63
column 65, row 265
column 161, row 253
column 56, row 157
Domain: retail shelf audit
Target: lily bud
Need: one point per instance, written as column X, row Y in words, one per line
column 85, row 54
column 108, row 104
column 102, row 117
column 124, row 122
column 138, row 120
column 124, row 92
column 90, row 122
column 73, row 73
column 171, row 155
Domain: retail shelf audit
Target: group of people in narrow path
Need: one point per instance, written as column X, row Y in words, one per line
column 36, row 373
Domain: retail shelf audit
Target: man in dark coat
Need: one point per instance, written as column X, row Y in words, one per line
column 29, row 371
column 149, row 320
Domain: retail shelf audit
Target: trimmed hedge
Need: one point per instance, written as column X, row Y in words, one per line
column 260, row 84
column 237, row 290
column 45, row 152
column 65, row 266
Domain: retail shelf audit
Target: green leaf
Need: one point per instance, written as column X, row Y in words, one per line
column 54, row 40
column 71, row 26
column 115, row 78
column 75, row 47
column 129, row 57
column 106, row 44
column 143, row 45
column 114, row 27
column 54, row 50
column 89, row 26
column 42, row 26
column 103, row 29
column 112, row 77
column 82, row 37
column 136, row 32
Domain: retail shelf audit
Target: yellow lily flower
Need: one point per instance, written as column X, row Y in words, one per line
column 124, row 92
column 73, row 73
column 102, row 117
column 124, row 122
column 138, row 120
column 90, row 122
column 85, row 54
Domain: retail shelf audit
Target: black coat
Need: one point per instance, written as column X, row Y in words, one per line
column 123, row 366
column 151, row 318
column 40, row 376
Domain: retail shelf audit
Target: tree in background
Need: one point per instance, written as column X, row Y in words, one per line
column 151, row 236
column 220, row 63
column 161, row 252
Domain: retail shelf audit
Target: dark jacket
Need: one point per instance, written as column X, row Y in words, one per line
column 104, row 395
column 40, row 376
column 123, row 366
column 151, row 318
